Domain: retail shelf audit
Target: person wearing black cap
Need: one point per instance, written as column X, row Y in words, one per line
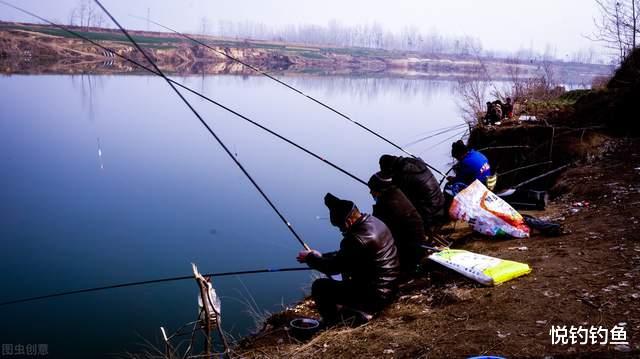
column 396, row 211
column 367, row 260
column 415, row 180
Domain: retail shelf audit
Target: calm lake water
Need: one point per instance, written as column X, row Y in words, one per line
column 109, row 179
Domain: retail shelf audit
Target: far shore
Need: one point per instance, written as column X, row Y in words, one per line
column 39, row 49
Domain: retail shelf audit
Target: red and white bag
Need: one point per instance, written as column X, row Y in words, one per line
column 487, row 213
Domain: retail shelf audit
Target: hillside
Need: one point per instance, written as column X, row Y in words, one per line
column 33, row 48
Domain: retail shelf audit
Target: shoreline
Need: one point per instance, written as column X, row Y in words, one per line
column 36, row 49
column 442, row 314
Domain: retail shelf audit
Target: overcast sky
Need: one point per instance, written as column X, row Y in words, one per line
column 503, row 25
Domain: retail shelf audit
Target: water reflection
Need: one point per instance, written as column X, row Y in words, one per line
column 88, row 86
column 373, row 87
column 162, row 194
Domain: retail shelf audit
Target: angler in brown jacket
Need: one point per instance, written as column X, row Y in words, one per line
column 367, row 260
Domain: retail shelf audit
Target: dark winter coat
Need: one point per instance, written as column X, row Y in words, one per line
column 396, row 211
column 415, row 180
column 367, row 259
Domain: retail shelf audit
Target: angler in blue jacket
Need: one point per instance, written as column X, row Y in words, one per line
column 472, row 165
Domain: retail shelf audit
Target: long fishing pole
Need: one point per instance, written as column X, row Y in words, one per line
column 540, row 176
column 145, row 282
column 525, row 167
column 501, row 147
column 459, row 134
column 425, row 133
column 289, row 87
column 300, row 147
column 443, row 131
column 255, row 184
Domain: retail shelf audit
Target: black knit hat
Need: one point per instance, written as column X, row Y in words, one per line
column 379, row 182
column 339, row 209
column 458, row 148
column 386, row 163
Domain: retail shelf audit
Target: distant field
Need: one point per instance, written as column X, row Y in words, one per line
column 94, row 35
column 160, row 41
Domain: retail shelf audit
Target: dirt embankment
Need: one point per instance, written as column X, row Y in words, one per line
column 589, row 276
column 29, row 48
column 24, row 51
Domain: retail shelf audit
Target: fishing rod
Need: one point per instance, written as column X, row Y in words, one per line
column 223, row 53
column 443, row 131
column 459, row 134
column 501, row 148
column 153, row 281
column 446, row 174
column 264, row 128
column 226, row 149
column 435, row 130
column 444, row 177
column 525, row 167
column 540, row 176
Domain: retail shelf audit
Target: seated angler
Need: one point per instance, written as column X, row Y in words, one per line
column 507, row 109
column 396, row 211
column 472, row 165
column 367, row 259
column 413, row 177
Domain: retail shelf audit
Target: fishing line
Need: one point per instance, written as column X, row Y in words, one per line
column 425, row 133
column 264, row 195
column 459, row 134
column 307, row 151
column 145, row 282
column 289, row 87
column 436, row 134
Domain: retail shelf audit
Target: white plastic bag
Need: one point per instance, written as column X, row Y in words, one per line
column 487, row 213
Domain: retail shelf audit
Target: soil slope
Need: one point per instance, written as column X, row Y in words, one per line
column 590, row 276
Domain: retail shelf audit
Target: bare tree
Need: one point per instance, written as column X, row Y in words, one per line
column 472, row 94
column 86, row 15
column 617, row 27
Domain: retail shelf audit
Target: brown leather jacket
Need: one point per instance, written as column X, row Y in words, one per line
column 367, row 259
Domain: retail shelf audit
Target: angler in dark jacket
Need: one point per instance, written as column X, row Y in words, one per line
column 396, row 211
column 415, row 180
column 367, row 260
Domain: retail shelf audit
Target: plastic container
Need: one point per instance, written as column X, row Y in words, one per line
column 304, row 328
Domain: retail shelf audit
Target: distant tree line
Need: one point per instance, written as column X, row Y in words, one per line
column 410, row 38
column 336, row 34
column 616, row 31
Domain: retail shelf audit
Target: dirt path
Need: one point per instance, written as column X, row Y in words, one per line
column 590, row 277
